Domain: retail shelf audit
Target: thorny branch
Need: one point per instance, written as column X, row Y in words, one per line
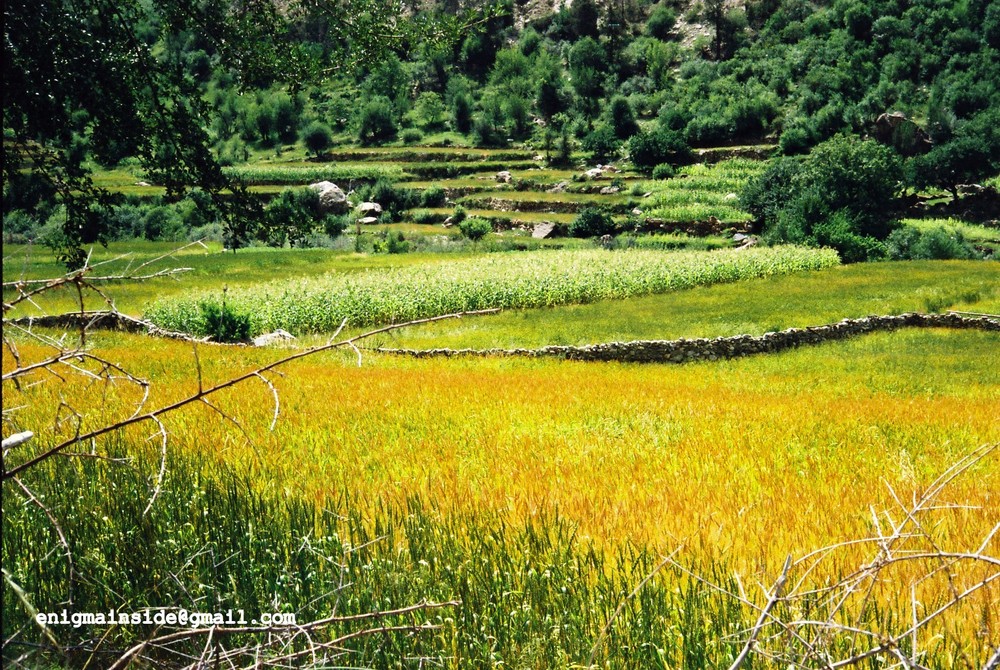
column 832, row 640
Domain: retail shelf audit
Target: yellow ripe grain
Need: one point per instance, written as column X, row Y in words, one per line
column 744, row 461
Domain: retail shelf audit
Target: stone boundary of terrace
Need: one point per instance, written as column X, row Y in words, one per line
column 705, row 349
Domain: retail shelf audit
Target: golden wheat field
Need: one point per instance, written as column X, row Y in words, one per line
column 725, row 467
column 745, row 460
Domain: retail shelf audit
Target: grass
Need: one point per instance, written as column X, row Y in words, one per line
column 979, row 235
column 750, row 307
column 306, row 173
column 530, row 279
column 571, row 478
column 700, row 191
column 211, row 269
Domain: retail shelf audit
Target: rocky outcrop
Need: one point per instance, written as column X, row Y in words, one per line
column 703, row 349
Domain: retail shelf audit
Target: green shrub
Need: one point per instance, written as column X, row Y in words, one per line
column 622, row 117
column 223, row 324
column 317, row 137
column 475, row 228
column 411, row 136
column 843, row 195
column 663, row 171
column 19, row 227
column 839, row 231
column 461, row 114
column 647, row 150
column 394, row 200
column 765, row 195
column 163, row 223
column 435, row 196
column 392, row 243
column 661, row 22
column 458, row 216
column 602, row 143
column 291, row 217
column 377, row 121
column 424, row 216
column 592, row 222
column 908, row 243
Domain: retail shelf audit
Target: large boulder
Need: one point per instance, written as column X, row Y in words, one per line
column 543, row 230
column 895, row 130
column 332, row 199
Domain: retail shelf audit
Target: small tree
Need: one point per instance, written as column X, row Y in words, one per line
column 622, row 117
column 592, row 222
column 461, row 114
column 972, row 154
column 377, row 122
column 429, row 110
column 647, row 150
column 602, row 143
column 843, row 195
column 661, row 22
column 317, row 137
column 475, row 228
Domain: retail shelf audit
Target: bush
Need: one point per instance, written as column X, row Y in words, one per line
column 459, row 215
column 411, row 136
column 394, row 200
column 622, row 117
column 377, row 122
column 434, row 196
column 19, row 227
column 461, row 114
column 223, row 324
column 663, row 171
column 317, row 137
column 908, row 243
column 661, row 22
column 291, row 217
column 392, row 243
column 163, row 223
column 842, row 195
column 709, row 130
column 602, row 143
column 795, row 140
column 475, row 228
column 839, row 231
column 592, row 222
column 765, row 195
column 334, row 225
column 425, row 217
column 647, row 150
column 860, row 176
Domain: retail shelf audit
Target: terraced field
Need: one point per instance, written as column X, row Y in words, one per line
column 565, row 514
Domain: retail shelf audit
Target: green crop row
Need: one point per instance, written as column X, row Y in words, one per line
column 532, row 279
column 305, row 174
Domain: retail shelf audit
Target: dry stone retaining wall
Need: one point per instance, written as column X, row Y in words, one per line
column 684, row 350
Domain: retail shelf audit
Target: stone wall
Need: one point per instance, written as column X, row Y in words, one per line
column 684, row 350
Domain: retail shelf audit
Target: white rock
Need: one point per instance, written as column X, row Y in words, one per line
column 270, row 338
column 370, row 207
column 332, row 198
